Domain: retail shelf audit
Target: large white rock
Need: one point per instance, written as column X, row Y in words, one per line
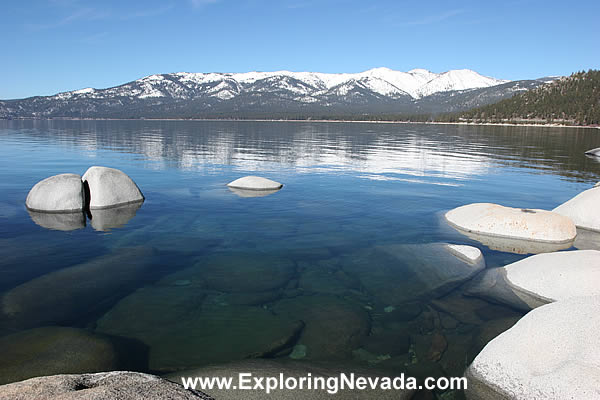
column 255, row 183
column 583, row 209
column 526, row 224
column 542, row 279
column 59, row 193
column 110, row 187
column 553, row 352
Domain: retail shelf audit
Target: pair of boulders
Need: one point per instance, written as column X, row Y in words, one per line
column 98, row 188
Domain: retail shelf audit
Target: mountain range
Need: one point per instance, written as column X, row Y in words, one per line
column 280, row 94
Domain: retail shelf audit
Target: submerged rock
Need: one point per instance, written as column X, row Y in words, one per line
column 119, row 385
column 72, row 292
column 240, row 272
column 109, row 187
column 541, row 279
column 553, row 352
column 183, row 332
column 255, row 183
column 106, row 219
column 334, row 327
column 387, row 342
column 59, row 193
column 54, row 350
column 583, row 209
column 516, row 223
column 398, row 274
column 58, row 221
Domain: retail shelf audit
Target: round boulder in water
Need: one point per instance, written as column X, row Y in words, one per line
column 58, row 193
column 518, row 223
column 109, row 187
column 255, row 183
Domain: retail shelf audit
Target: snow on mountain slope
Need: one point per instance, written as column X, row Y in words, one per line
column 456, row 80
column 299, row 86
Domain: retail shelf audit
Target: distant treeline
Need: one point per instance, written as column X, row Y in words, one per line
column 573, row 100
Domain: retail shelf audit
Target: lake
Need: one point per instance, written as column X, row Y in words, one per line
column 343, row 266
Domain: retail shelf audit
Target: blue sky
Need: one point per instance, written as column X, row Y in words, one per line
column 58, row 45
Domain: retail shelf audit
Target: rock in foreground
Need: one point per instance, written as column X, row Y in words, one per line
column 255, row 183
column 116, row 385
column 109, row 187
column 542, row 279
column 59, row 193
column 583, row 209
column 551, row 353
column 518, row 223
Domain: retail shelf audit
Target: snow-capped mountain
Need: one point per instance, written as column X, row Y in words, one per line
column 416, row 83
column 187, row 95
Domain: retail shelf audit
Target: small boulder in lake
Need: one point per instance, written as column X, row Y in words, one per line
column 553, row 352
column 255, row 183
column 583, row 209
column 541, row 279
column 109, row 187
column 518, row 223
column 59, row 193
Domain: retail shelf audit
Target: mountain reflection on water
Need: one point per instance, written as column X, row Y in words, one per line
column 345, row 265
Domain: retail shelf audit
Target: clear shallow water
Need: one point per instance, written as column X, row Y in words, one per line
column 337, row 267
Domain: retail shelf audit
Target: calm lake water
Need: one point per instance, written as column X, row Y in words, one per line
column 342, row 266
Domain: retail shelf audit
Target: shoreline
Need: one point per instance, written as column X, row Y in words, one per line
column 314, row 120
